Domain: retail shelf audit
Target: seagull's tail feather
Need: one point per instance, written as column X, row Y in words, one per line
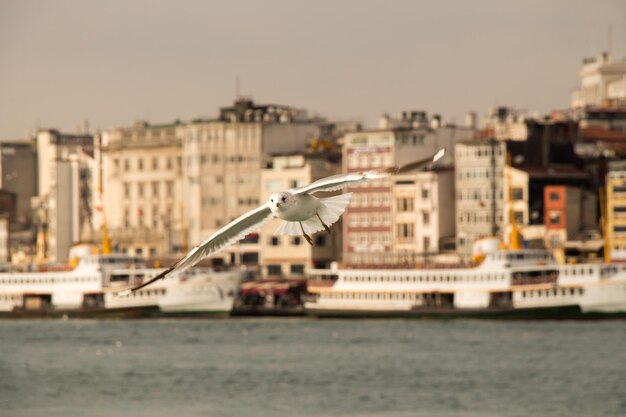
column 288, row 229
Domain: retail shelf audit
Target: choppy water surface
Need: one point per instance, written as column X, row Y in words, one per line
column 301, row 367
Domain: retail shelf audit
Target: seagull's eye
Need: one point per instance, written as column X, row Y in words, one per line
column 271, row 200
column 284, row 198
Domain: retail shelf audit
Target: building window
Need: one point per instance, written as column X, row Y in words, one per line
column 274, row 241
column 297, row 269
column 426, row 243
column 426, row 218
column 126, row 164
column 518, row 193
column 168, row 163
column 155, row 189
column 320, row 240
column 140, row 164
column 405, row 231
column 140, row 189
column 424, row 193
column 404, row 204
column 274, row 270
column 155, row 163
column 554, row 217
column 272, row 186
column 126, row 190
column 296, row 240
column 554, row 196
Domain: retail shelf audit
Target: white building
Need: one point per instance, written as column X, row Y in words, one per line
column 142, row 188
column 602, row 83
column 423, row 211
column 291, row 255
column 65, row 173
column 480, row 191
column 4, row 239
column 223, row 158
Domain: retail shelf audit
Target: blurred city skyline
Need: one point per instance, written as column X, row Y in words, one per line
column 115, row 62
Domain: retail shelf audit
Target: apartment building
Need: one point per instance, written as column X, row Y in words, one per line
column 142, row 200
column 65, row 169
column 386, row 218
column 615, row 227
column 570, row 217
column 289, row 256
column 602, row 83
column 18, row 174
column 480, row 191
column 223, row 159
column 423, row 211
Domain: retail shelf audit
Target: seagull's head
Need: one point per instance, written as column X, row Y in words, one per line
column 279, row 201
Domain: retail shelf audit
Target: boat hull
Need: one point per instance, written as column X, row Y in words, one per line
column 108, row 313
column 554, row 313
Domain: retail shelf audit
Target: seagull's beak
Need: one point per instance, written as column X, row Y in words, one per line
column 277, row 205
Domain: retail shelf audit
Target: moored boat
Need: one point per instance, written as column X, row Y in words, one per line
column 91, row 290
column 509, row 283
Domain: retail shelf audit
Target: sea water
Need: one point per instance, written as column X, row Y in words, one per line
column 307, row 367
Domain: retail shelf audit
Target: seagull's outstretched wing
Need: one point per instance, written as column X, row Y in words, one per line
column 337, row 182
column 233, row 231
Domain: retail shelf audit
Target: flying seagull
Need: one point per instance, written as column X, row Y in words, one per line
column 302, row 213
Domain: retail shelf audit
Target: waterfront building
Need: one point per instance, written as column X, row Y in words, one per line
column 615, row 227
column 380, row 225
column 423, row 212
column 480, row 191
column 290, row 256
column 223, row 158
column 18, row 174
column 570, row 220
column 4, row 238
column 142, row 201
column 602, row 83
column 65, row 170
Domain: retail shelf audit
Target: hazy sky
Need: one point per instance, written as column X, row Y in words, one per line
column 114, row 62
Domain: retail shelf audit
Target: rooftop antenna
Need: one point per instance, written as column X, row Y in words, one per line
column 610, row 40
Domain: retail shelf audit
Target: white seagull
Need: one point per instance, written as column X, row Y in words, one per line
column 302, row 212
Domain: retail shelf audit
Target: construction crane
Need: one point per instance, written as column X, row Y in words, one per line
column 514, row 238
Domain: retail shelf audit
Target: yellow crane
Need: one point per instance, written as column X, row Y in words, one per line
column 515, row 242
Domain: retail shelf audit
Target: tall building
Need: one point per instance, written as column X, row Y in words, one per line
column 380, row 224
column 18, row 174
column 4, row 239
column 223, row 159
column 288, row 256
column 615, row 227
column 480, row 187
column 65, row 168
column 602, row 83
column 142, row 201
column 423, row 212
column 570, row 218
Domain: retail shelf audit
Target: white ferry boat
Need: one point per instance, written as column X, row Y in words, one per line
column 91, row 290
column 520, row 283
